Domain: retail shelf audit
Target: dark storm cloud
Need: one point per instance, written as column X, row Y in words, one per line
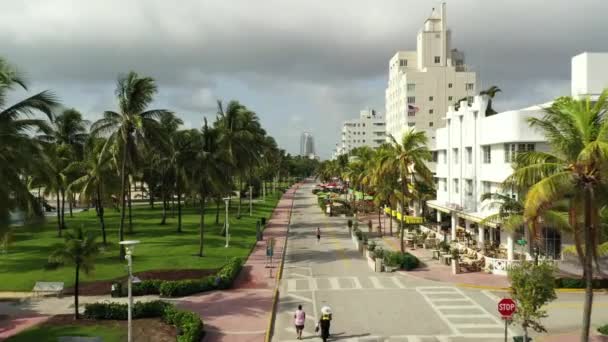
column 322, row 61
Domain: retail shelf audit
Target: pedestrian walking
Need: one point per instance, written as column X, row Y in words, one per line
column 299, row 318
column 324, row 323
column 318, row 235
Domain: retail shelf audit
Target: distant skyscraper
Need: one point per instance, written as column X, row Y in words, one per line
column 307, row 145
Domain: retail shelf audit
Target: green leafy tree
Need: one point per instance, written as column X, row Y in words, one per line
column 79, row 249
column 532, row 287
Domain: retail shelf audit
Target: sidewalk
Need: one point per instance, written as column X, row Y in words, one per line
column 432, row 270
column 242, row 313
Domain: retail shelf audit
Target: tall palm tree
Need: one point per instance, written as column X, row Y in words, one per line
column 79, row 249
column 19, row 153
column 574, row 170
column 130, row 128
column 409, row 157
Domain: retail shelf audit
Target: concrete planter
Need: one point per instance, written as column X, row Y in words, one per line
column 455, row 267
column 379, row 265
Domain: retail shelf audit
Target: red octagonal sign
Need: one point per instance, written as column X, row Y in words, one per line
column 506, row 307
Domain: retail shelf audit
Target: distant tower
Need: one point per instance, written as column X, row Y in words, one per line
column 307, row 145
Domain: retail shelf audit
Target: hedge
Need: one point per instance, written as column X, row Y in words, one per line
column 405, row 261
column 603, row 329
column 188, row 324
column 579, row 283
column 223, row 279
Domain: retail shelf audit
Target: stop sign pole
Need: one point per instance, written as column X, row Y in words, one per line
column 506, row 308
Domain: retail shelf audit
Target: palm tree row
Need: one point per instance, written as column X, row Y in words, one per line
column 51, row 150
column 396, row 174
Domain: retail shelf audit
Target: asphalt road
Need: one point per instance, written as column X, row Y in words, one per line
column 370, row 306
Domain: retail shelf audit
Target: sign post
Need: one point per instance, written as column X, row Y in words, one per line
column 506, row 308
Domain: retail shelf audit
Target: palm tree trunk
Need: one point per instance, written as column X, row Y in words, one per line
column 70, row 200
column 172, row 204
column 121, row 228
column 130, row 215
column 76, row 314
column 401, row 228
column 238, row 211
column 390, row 216
column 202, row 226
column 179, row 211
column 217, row 211
column 58, row 209
column 164, row 219
column 588, row 265
column 379, row 218
column 150, row 197
column 62, row 208
column 100, row 213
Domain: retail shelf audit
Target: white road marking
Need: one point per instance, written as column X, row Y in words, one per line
column 313, row 284
column 376, row 282
column 357, row 283
column 439, row 314
column 397, row 282
column 302, row 298
column 297, row 275
column 291, row 285
column 335, row 284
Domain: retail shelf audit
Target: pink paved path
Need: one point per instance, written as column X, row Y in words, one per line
column 242, row 313
column 14, row 326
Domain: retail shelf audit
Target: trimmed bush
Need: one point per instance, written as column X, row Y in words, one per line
column 222, row 280
column 405, row 261
column 603, row 329
column 409, row 262
column 579, row 283
column 180, row 288
column 189, row 324
column 350, row 223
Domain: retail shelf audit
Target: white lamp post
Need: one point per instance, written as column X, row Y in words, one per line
column 129, row 247
column 250, row 200
column 226, row 203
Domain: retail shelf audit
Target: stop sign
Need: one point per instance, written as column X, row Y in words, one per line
column 506, row 307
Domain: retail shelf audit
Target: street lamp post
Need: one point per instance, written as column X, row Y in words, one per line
column 250, row 200
column 226, row 203
column 129, row 247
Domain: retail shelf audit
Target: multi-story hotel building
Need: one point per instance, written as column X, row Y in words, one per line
column 423, row 83
column 474, row 155
column 368, row 130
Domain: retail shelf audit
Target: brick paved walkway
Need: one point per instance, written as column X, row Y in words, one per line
column 242, row 313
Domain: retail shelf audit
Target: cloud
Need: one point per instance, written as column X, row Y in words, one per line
column 320, row 60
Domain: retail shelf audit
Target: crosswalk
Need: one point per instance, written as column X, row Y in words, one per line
column 306, row 284
column 459, row 312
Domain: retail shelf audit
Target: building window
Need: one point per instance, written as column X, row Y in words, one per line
column 449, row 98
column 455, row 154
column 431, row 124
column 469, row 187
column 445, row 184
column 444, row 156
column 456, row 185
column 469, row 155
column 486, row 187
column 430, row 111
column 430, row 98
column 411, row 99
column 437, row 59
column 411, row 87
column 511, row 151
column 403, row 62
column 469, row 86
column 470, row 99
column 363, row 124
column 449, row 85
column 487, row 154
column 411, row 124
column 434, row 154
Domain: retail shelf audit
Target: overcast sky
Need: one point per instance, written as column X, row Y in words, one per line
column 301, row 65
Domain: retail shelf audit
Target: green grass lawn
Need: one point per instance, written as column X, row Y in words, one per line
column 161, row 247
column 52, row 333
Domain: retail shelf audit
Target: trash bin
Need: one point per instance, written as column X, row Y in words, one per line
column 116, row 289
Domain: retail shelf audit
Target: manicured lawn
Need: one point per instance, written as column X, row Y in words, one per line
column 161, row 248
column 44, row 333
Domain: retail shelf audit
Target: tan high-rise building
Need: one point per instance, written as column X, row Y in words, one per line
column 423, row 83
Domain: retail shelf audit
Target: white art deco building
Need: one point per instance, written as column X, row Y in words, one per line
column 474, row 153
column 423, row 83
column 367, row 130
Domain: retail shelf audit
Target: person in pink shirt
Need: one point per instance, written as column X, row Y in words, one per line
column 298, row 318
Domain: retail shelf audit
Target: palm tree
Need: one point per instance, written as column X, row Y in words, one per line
column 19, row 153
column 575, row 171
column 129, row 128
column 208, row 171
column 490, row 93
column 80, row 250
column 98, row 178
column 408, row 157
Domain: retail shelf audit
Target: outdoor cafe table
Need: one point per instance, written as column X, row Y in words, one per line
column 446, row 259
column 436, row 253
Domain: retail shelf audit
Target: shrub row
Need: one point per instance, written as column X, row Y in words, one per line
column 579, row 283
column 405, row 261
column 177, row 288
column 188, row 324
column 222, row 280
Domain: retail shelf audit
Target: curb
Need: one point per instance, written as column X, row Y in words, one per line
column 275, row 297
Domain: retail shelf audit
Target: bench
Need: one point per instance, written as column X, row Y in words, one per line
column 47, row 287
